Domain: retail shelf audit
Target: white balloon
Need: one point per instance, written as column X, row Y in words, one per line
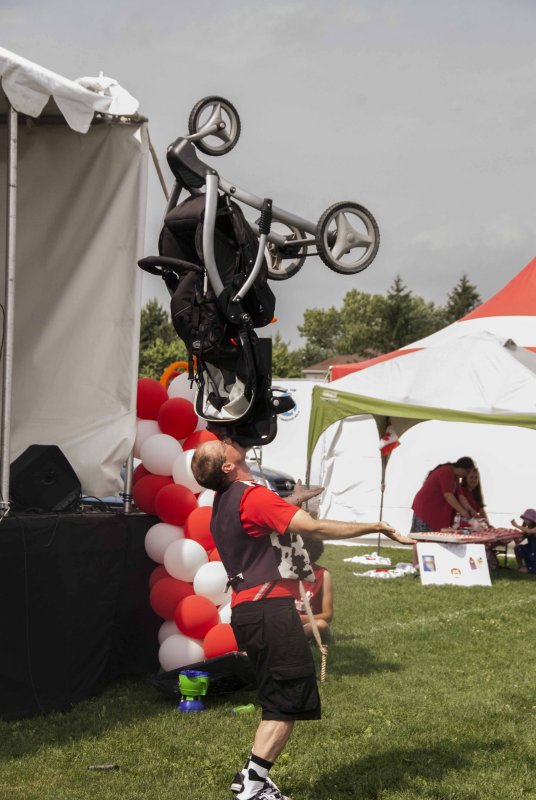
column 183, row 558
column 159, row 452
column 206, row 498
column 167, row 629
column 144, row 429
column 159, row 537
column 182, row 472
column 178, row 651
column 180, row 387
column 225, row 614
column 210, row 580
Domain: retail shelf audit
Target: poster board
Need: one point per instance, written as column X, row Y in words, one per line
column 455, row 564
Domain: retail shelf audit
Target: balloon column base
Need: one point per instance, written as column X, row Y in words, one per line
column 193, row 685
column 186, row 705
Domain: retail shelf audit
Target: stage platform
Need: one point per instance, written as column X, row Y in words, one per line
column 74, row 608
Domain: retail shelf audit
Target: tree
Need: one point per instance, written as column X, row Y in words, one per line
column 321, row 329
column 286, row 363
column 361, row 324
column 155, row 324
column 157, row 356
column 159, row 344
column 369, row 324
column 407, row 318
column 461, row 300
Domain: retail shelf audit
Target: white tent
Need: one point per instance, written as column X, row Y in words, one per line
column 288, row 451
column 485, row 389
column 75, row 162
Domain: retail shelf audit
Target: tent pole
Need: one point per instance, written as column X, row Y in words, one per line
column 384, row 465
column 9, row 302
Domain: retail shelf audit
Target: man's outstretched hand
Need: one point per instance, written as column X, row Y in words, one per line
column 391, row 533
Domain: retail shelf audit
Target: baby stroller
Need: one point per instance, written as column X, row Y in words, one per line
column 216, row 266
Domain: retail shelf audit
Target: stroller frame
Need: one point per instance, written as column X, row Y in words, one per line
column 341, row 243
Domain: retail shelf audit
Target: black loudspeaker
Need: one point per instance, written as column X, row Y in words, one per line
column 42, row 479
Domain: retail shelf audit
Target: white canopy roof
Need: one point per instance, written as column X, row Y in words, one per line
column 30, row 88
column 476, row 378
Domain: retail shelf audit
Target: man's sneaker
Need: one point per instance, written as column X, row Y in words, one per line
column 268, row 792
column 277, row 794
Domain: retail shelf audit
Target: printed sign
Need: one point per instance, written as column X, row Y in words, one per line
column 461, row 564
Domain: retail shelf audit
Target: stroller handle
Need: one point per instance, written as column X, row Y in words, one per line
column 157, row 265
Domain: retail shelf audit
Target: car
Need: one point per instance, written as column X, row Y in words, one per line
column 278, row 481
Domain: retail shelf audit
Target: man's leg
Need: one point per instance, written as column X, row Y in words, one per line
column 270, row 739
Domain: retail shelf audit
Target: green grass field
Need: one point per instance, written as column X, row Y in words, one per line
column 430, row 694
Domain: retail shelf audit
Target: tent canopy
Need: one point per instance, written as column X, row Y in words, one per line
column 35, row 91
column 72, row 288
column 476, row 378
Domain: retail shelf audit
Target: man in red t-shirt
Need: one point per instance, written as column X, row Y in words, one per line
column 258, row 536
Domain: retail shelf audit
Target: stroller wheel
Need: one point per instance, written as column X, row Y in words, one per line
column 284, row 261
column 347, row 237
column 215, row 111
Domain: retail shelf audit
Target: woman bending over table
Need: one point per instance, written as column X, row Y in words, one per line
column 436, row 502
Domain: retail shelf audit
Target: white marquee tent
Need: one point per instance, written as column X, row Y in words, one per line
column 474, row 395
column 73, row 156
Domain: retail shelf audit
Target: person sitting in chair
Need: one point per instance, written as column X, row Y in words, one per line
column 319, row 594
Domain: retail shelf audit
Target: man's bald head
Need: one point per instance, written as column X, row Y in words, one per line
column 207, row 465
column 218, row 463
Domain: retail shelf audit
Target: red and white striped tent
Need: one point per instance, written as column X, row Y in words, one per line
column 506, row 455
column 511, row 313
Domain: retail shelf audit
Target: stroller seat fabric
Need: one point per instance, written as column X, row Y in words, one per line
column 232, row 365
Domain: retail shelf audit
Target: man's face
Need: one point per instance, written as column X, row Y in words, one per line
column 233, row 453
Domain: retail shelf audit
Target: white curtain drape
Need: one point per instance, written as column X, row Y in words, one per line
column 80, row 228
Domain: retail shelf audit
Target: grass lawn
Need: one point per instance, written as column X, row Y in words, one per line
column 430, row 694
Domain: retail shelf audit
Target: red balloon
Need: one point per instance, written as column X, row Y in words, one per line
column 157, row 574
column 195, row 616
column 166, row 595
column 219, row 640
column 198, row 437
column 174, row 503
column 214, row 555
column 139, row 472
column 177, row 417
column 151, row 395
column 145, row 490
column 197, row 527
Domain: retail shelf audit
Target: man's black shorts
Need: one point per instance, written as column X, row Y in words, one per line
column 271, row 633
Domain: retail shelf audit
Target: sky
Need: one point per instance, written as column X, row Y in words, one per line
column 422, row 111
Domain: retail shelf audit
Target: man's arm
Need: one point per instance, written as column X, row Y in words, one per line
column 304, row 524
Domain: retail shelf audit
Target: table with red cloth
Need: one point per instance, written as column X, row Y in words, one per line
column 488, row 536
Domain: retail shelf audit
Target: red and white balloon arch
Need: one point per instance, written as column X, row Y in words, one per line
column 187, row 587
